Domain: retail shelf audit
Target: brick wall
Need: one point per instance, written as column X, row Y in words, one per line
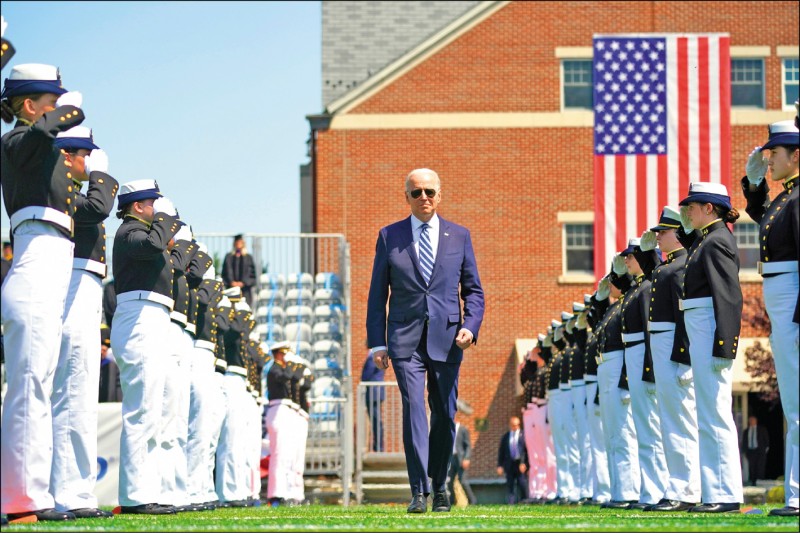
column 507, row 185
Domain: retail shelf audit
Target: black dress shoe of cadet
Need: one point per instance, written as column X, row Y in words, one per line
column 441, row 503
column 91, row 512
column 617, row 504
column 715, row 508
column 666, row 506
column 784, row 511
column 43, row 515
column 147, row 508
column 639, row 506
column 419, row 504
column 557, row 501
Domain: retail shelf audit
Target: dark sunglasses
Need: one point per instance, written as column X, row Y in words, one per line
column 416, row 193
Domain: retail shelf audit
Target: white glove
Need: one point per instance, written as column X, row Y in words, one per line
column 97, row 161
column 756, row 167
column 685, row 222
column 210, row 273
column 201, row 246
column 241, row 305
column 570, row 326
column 225, row 302
column 625, row 396
column 3, row 25
column 558, row 334
column 684, row 374
column 648, row 241
column 184, row 234
column 70, row 98
column 603, row 289
column 581, row 322
column 165, row 205
column 548, row 341
column 618, row 265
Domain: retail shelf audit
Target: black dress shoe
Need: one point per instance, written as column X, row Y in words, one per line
column 784, row 511
column 89, row 512
column 670, row 506
column 557, row 501
column 147, row 508
column 419, row 504
column 715, row 508
column 237, row 503
column 639, row 506
column 441, row 503
column 43, row 515
column 613, row 504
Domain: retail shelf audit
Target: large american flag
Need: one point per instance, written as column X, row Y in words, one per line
column 661, row 119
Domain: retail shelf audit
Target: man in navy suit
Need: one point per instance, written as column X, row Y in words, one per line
column 429, row 266
column 512, row 460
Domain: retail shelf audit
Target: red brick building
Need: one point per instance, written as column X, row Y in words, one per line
column 483, row 102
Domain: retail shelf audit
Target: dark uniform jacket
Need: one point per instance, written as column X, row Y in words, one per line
column 779, row 219
column 236, row 338
column 556, row 365
column 668, row 279
column 90, row 212
column 712, row 270
column 34, row 171
column 279, row 380
column 208, row 295
column 179, row 257
column 577, row 355
column 610, row 335
column 527, row 375
column 635, row 314
column 141, row 260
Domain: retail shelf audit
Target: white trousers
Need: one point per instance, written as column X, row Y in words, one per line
column 620, row 433
column 720, row 467
column 138, row 340
column 233, row 474
column 255, row 425
column 652, row 464
column 174, row 418
column 678, row 410
column 780, row 298
column 301, row 438
column 77, row 378
column 219, row 416
column 281, row 458
column 583, row 441
column 205, row 422
column 601, row 483
column 529, row 432
column 33, row 297
column 541, row 475
column 565, row 441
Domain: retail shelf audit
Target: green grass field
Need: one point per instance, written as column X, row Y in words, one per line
column 394, row 518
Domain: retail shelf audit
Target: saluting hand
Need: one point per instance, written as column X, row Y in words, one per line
column 464, row 339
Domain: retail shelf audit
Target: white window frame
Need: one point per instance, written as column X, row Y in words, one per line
column 748, row 275
column 571, row 218
column 763, row 81
column 563, row 84
column 784, row 83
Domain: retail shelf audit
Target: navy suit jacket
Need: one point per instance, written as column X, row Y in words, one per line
column 396, row 270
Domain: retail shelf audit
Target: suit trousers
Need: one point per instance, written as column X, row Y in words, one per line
column 652, row 464
column 281, row 453
column 720, row 466
column 678, row 411
column 585, row 466
column 233, row 473
column 74, row 398
column 780, row 299
column 427, row 455
column 619, row 431
column 137, row 339
column 174, row 421
column 205, row 422
column 33, row 297
column 601, row 483
column 565, row 442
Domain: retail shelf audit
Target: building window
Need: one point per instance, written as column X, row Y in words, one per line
column 747, row 82
column 579, row 248
column 791, row 75
column 746, row 234
column 577, row 83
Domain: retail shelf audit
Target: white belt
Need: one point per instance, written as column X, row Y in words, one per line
column 38, row 212
column 302, row 412
column 540, row 401
column 191, row 328
column 260, row 401
column 633, row 337
column 777, row 267
column 90, row 265
column 180, row 317
column 589, row 378
column 206, row 345
column 222, row 363
column 240, row 370
column 146, row 295
column 656, row 327
column 695, row 303
column 610, row 356
column 284, row 401
column 577, row 382
column 564, row 386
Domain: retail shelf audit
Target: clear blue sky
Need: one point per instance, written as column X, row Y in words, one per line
column 207, row 98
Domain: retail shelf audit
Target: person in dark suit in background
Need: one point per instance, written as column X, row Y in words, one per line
column 460, row 460
column 109, row 301
column 239, row 270
column 110, row 388
column 375, row 398
column 755, row 443
column 512, row 460
column 429, row 266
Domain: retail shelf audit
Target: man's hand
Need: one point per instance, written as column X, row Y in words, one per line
column 522, row 468
column 464, row 339
column 500, row 470
column 237, row 283
column 465, row 464
column 381, row 359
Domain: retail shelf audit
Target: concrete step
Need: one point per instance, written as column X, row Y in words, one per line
column 384, row 461
column 384, row 476
column 386, row 492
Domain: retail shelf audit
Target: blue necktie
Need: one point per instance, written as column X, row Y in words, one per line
column 425, row 254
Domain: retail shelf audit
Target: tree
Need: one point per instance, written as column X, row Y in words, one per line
column 759, row 362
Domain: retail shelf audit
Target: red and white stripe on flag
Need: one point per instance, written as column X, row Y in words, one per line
column 662, row 120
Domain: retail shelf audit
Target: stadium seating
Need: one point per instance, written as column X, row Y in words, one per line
column 300, row 280
column 328, row 349
column 297, row 331
column 270, row 297
column 298, row 297
column 327, row 297
column 273, row 281
column 299, row 313
column 323, row 331
column 329, row 313
column 275, row 315
column 328, row 280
